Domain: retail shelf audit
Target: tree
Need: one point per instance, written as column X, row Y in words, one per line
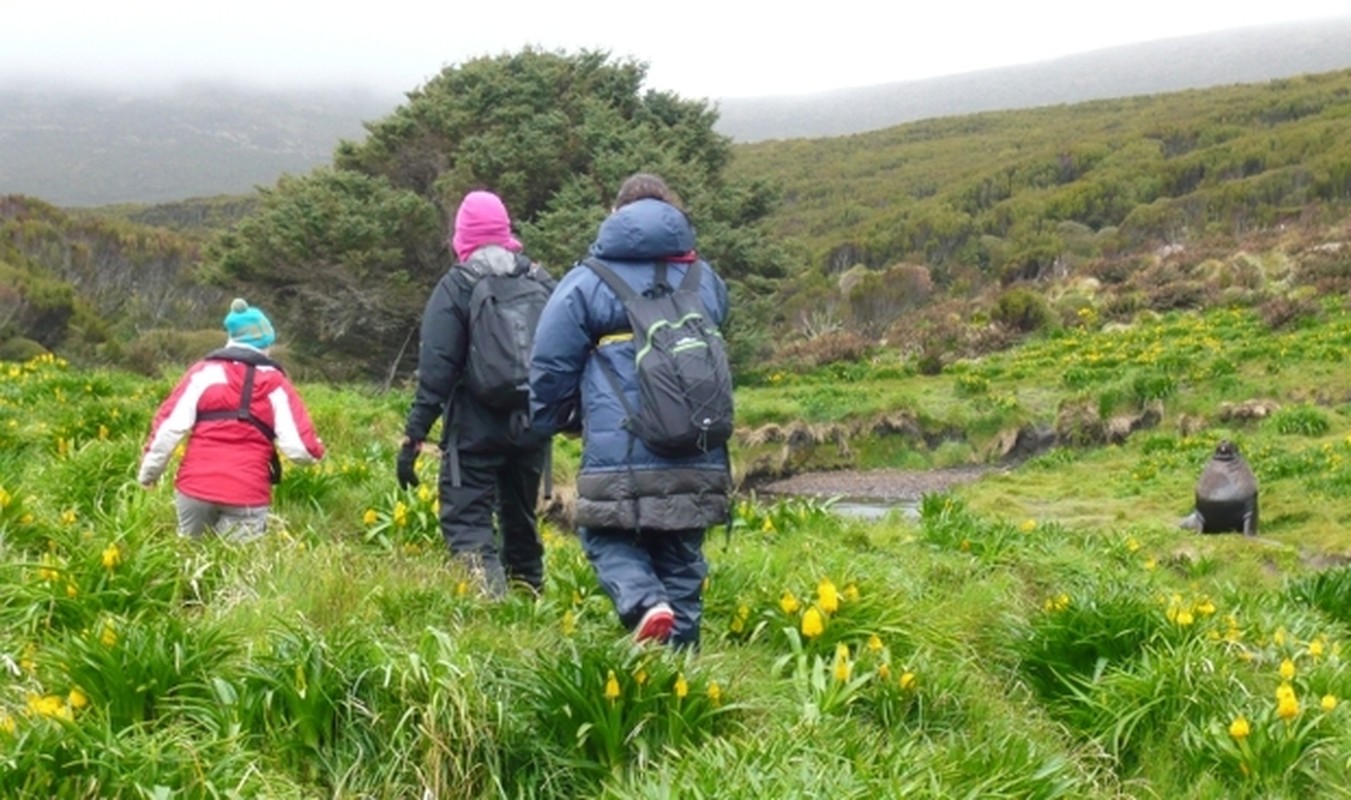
column 553, row 134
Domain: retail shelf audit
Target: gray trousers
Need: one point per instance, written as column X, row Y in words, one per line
column 234, row 523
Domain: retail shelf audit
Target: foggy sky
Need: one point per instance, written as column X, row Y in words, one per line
column 697, row 48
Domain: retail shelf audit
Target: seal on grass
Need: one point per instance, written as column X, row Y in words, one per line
column 1226, row 495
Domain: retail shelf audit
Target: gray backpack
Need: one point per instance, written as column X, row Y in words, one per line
column 680, row 360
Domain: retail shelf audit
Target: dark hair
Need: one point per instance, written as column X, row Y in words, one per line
column 646, row 186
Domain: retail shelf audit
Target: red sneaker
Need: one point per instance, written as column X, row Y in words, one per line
column 655, row 624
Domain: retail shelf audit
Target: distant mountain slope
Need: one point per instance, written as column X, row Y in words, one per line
column 1246, row 55
column 92, row 148
column 86, row 147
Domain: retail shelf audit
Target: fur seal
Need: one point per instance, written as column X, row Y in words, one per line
column 1226, row 495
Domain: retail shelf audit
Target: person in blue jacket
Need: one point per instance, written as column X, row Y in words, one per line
column 641, row 517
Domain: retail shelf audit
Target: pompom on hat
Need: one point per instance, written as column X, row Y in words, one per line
column 248, row 325
column 481, row 219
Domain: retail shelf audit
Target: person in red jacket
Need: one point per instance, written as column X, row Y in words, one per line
column 239, row 408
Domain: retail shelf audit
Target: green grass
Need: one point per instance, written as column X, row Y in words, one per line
column 1044, row 632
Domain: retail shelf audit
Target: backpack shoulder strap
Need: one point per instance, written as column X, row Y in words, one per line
column 611, row 279
column 242, row 413
column 693, row 274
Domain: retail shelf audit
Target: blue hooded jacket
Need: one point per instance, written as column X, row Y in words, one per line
column 622, row 484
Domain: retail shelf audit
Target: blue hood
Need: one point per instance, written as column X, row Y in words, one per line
column 644, row 231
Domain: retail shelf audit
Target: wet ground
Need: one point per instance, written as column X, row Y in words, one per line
column 873, row 486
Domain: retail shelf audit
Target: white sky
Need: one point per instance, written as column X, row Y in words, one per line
column 696, row 48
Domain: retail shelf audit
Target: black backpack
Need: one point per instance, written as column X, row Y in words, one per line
column 684, row 380
column 504, row 311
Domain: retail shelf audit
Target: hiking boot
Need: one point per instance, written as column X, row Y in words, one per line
column 655, row 624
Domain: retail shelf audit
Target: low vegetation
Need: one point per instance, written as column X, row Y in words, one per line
column 1044, row 632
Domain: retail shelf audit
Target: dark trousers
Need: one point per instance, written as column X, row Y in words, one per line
column 639, row 569
column 505, row 485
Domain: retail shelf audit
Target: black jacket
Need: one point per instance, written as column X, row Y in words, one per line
column 441, row 393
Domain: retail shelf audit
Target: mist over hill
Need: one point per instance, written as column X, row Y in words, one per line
column 1248, row 55
column 83, row 147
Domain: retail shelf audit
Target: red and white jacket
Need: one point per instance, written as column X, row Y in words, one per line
column 226, row 460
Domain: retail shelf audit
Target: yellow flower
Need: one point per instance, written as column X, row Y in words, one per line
column 842, row 666
column 1287, row 707
column 907, row 681
column 851, row 592
column 462, row 588
column 828, row 595
column 1239, row 728
column 1205, row 608
column 400, row 514
column 768, row 526
column 1150, row 564
column 77, row 698
column 812, row 624
column 112, row 556
column 714, row 693
column 6, row 723
column 370, row 517
column 681, row 687
column 109, row 635
column 788, row 603
column 875, row 643
column 965, row 546
column 1278, row 638
column 1316, row 648
column 424, row 493
column 1328, row 703
column 71, row 590
column 738, row 625
column 68, row 517
column 1184, row 618
column 5, row 497
column 884, row 671
column 569, row 623
column 1028, row 526
column 1132, row 544
column 640, row 677
column 1287, row 669
column 611, row 687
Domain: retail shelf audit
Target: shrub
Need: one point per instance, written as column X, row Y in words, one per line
column 1022, row 310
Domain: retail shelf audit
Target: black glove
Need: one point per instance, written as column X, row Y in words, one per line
column 406, row 463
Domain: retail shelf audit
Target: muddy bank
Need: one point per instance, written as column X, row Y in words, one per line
column 891, row 485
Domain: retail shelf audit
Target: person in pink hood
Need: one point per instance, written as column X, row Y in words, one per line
column 473, row 376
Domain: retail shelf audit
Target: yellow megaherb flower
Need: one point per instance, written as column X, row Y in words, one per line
column 1287, row 707
column 112, row 556
column 884, row 671
column 842, row 666
column 812, row 623
column 462, row 588
column 69, row 517
column 768, row 526
column 875, row 643
column 1328, row 703
column 908, row 681
column 714, row 693
column 788, row 603
column 681, row 687
column 1185, row 619
column 6, row 723
column 72, row 590
column 109, row 635
column 569, row 623
column 1205, row 608
column 1239, row 728
column 611, row 687
column 640, row 677
column 400, row 514
column 1287, row 669
column 1028, row 526
column 5, row 498
column 828, row 596
column 424, row 493
column 77, row 698
column 1316, row 648
column 370, row 517
column 851, row 592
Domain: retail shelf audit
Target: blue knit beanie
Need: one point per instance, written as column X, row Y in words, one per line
column 248, row 325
